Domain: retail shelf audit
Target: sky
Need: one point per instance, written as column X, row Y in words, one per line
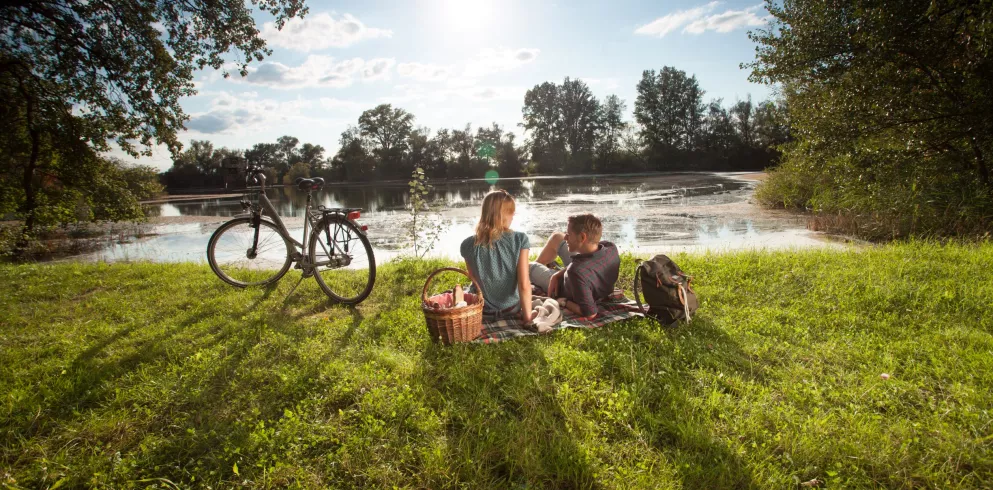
column 452, row 62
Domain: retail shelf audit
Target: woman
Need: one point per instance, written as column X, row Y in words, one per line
column 497, row 259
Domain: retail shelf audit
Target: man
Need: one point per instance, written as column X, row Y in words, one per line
column 592, row 266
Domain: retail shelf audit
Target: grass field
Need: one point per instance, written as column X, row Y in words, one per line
column 162, row 376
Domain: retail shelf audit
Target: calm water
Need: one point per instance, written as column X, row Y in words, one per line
column 643, row 214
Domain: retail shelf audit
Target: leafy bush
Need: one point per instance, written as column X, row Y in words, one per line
column 878, row 190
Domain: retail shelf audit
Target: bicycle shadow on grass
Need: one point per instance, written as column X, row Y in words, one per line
column 94, row 372
column 257, row 377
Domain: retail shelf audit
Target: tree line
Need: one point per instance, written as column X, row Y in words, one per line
column 570, row 132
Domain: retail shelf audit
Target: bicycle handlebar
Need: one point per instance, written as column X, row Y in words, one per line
column 256, row 175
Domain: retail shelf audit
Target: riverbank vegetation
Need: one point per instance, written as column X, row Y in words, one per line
column 139, row 375
column 890, row 111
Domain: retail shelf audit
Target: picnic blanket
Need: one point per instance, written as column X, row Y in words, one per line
column 615, row 308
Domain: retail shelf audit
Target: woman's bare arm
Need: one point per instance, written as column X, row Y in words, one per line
column 524, row 284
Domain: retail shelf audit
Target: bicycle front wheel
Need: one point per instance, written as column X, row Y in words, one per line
column 240, row 259
column 341, row 255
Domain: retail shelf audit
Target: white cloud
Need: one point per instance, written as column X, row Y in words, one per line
column 424, row 72
column 727, row 21
column 496, row 60
column 418, row 93
column 318, row 71
column 377, row 69
column 604, row 83
column 232, row 113
column 668, row 23
column 320, row 31
column 697, row 21
column 331, row 103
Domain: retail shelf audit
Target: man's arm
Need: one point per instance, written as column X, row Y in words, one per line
column 585, row 306
column 553, row 285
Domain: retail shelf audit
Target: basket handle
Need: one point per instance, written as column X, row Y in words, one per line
column 424, row 292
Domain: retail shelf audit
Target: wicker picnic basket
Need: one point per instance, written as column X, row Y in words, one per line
column 453, row 325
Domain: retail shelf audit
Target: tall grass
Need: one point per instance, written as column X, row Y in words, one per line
column 148, row 375
column 879, row 192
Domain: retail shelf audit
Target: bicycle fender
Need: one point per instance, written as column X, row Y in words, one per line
column 342, row 217
column 357, row 226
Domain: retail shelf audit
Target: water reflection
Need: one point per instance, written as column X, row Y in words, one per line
column 617, row 191
column 642, row 214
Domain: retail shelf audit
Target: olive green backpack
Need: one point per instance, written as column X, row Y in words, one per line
column 667, row 291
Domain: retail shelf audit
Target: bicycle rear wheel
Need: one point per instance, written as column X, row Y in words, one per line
column 233, row 258
column 344, row 265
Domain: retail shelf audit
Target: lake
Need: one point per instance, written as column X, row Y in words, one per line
column 644, row 214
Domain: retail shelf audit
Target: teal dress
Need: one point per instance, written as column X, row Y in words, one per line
column 496, row 268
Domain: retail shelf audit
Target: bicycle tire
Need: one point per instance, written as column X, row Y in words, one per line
column 235, row 267
column 353, row 283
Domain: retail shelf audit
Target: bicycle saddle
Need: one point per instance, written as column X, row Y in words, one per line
column 309, row 184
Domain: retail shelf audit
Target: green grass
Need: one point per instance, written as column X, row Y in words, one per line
column 160, row 375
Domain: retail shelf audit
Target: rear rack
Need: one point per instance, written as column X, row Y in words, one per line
column 326, row 210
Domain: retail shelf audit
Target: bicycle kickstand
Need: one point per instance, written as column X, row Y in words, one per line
column 294, row 288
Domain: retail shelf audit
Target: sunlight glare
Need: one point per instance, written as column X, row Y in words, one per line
column 466, row 14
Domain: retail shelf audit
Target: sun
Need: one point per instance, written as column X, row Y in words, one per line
column 466, row 15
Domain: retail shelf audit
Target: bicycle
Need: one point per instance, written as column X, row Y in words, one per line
column 256, row 249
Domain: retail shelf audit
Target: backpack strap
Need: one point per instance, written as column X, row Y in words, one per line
column 682, row 299
column 637, row 282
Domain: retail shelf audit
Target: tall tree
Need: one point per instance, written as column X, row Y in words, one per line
column 668, row 109
column 353, row 161
column 265, row 155
column 386, row 126
column 487, row 141
column 509, row 160
column 771, row 124
column 312, row 155
column 464, row 146
column 613, row 125
column 913, row 76
column 542, row 119
column 99, row 70
column 387, row 129
column 719, row 137
column 580, row 120
column 200, row 155
column 287, row 155
column 742, row 113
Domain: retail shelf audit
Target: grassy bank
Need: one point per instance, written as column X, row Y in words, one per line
column 160, row 375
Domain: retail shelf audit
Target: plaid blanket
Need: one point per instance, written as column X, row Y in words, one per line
column 615, row 308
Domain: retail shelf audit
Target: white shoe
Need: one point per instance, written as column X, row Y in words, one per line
column 549, row 315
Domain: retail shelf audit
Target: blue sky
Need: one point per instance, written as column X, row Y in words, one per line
column 452, row 62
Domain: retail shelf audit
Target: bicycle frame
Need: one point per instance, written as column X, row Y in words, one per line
column 300, row 256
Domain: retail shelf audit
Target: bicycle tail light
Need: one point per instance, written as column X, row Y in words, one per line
column 353, row 215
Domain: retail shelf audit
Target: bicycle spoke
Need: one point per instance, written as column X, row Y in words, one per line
column 344, row 276
column 231, row 258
